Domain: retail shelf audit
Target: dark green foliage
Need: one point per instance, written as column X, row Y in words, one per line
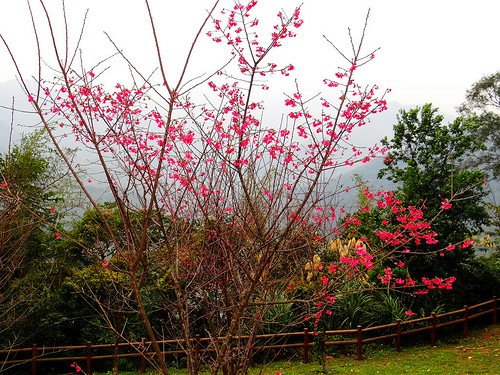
column 90, row 236
column 478, row 281
column 33, row 305
column 278, row 317
column 27, row 171
column 36, row 302
column 352, row 310
column 370, row 308
column 388, row 308
column 105, row 294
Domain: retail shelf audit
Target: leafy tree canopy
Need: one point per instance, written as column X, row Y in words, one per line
column 427, row 158
column 483, row 101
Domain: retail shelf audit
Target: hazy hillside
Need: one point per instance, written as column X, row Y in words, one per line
column 368, row 173
column 24, row 120
column 381, row 125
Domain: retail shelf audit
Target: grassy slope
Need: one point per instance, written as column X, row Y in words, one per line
column 478, row 354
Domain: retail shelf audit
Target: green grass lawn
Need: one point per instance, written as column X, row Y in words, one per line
column 478, row 354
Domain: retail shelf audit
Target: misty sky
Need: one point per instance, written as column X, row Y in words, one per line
column 431, row 51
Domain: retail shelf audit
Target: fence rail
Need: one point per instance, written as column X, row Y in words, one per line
column 304, row 340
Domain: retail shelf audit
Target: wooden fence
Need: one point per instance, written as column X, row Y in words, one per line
column 87, row 355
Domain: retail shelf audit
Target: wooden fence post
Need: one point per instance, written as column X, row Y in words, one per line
column 306, row 345
column 398, row 335
column 115, row 358
column 142, row 370
column 34, row 355
column 466, row 321
column 89, row 358
column 433, row 331
column 197, row 353
column 359, row 343
column 494, row 318
column 232, row 351
column 250, row 354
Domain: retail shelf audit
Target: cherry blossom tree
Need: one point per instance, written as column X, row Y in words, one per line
column 220, row 205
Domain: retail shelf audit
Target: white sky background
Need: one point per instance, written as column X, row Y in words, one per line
column 431, row 51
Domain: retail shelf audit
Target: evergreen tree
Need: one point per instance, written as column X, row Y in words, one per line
column 428, row 160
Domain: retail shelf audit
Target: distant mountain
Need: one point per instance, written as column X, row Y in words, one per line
column 23, row 119
column 368, row 173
